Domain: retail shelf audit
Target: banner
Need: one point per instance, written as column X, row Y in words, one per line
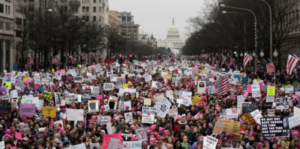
column 218, row 128
column 5, row 107
column 248, row 108
column 231, row 126
column 49, row 112
column 209, row 142
column 27, row 109
column 107, row 137
column 75, row 114
column 275, row 127
column 163, row 107
column 132, row 144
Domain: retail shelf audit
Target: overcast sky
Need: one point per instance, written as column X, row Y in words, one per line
column 155, row 16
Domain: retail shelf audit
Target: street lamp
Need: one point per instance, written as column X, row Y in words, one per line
column 241, row 54
column 255, row 27
column 262, row 53
column 275, row 53
column 271, row 29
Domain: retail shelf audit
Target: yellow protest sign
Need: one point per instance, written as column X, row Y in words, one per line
column 8, row 84
column 129, row 82
column 168, row 77
column 25, row 78
column 49, row 112
column 271, row 91
column 231, row 126
column 196, row 100
column 125, row 85
column 249, row 119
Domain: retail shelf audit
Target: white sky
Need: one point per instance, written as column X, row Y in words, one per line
column 155, row 16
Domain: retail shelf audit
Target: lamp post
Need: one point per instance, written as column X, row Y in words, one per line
column 255, row 28
column 245, row 31
column 271, row 29
column 275, row 56
column 262, row 53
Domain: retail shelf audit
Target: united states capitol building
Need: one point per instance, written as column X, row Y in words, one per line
column 173, row 40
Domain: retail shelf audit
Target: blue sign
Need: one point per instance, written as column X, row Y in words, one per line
column 15, row 66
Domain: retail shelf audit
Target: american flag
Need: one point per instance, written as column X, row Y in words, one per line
column 55, row 59
column 270, row 67
column 224, row 82
column 30, row 61
column 223, row 59
column 231, row 61
column 250, row 57
column 246, row 59
column 291, row 64
column 73, row 59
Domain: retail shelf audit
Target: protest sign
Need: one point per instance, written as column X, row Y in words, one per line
column 96, row 145
column 147, row 102
column 148, row 114
column 231, row 126
column 240, row 98
column 27, row 109
column 75, row 114
column 103, row 119
column 274, row 127
column 209, row 142
column 30, row 100
column 107, row 138
column 173, row 113
column 114, row 143
column 93, row 106
column 218, row 128
column 132, row 144
column 108, row 86
column 257, row 116
column 141, row 134
column 240, row 106
column 2, row 145
column 201, row 87
column 128, row 117
column 249, row 119
column 248, row 108
column 271, row 91
column 294, row 121
column 255, row 90
column 281, row 103
column 232, row 113
column 196, row 100
column 49, row 112
column 163, row 107
column 271, row 112
column 24, row 128
column 289, row 89
column 78, row 79
column 296, row 111
column 78, row 146
column 270, row 99
column 5, row 107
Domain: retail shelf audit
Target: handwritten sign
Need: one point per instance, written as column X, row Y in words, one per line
column 231, row 126
column 271, row 91
column 49, row 112
column 107, row 138
column 218, row 128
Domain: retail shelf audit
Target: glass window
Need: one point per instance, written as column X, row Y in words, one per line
column 99, row 9
column 18, row 21
column 87, row 9
column 1, row 8
column 94, row 9
column 18, row 9
column 7, row 26
column 100, row 18
column 94, row 18
column 129, row 19
column 95, row 1
column 8, row 9
column 1, row 25
column 83, row 9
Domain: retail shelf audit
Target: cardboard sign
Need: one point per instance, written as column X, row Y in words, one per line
column 294, row 121
column 49, row 112
column 147, row 102
column 128, row 117
column 257, row 116
column 103, row 119
column 249, row 119
column 231, row 126
column 108, row 86
column 218, row 128
column 209, row 142
column 27, row 109
column 274, row 127
column 163, row 107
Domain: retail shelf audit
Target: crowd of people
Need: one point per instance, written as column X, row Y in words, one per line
column 164, row 104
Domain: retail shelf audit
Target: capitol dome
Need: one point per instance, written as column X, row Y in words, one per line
column 173, row 32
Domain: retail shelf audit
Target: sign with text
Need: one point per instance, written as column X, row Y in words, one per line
column 231, row 126
column 274, row 127
column 27, row 109
column 5, row 107
column 218, row 128
column 248, row 108
column 49, row 112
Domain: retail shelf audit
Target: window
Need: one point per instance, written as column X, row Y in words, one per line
column 24, row 22
column 75, row 9
column 95, row 1
column 18, row 21
column 1, row 25
column 1, row 8
column 83, row 9
column 100, row 18
column 94, row 18
column 87, row 9
column 86, row 18
column 7, row 26
column 99, row 9
column 94, row 9
column 8, row 9
column 31, row 0
column 85, row 1
column 18, row 9
column 18, row 33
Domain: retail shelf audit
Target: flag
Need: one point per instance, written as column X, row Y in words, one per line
column 223, row 59
column 270, row 67
column 246, row 59
column 30, row 61
column 291, row 64
column 250, row 57
column 55, row 59
column 224, row 82
column 231, row 61
column 73, row 59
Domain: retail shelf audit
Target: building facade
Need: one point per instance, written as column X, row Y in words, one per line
column 173, row 40
column 130, row 30
column 114, row 21
column 6, row 35
column 147, row 39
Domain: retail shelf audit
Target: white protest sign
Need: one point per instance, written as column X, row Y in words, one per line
column 74, row 114
column 289, row 89
column 257, row 116
column 240, row 98
column 255, row 91
column 232, row 113
column 94, row 146
column 209, row 142
column 24, row 128
column 163, row 107
column 108, row 86
column 132, row 144
column 79, row 146
column 294, row 121
column 128, row 117
column 113, row 144
column 270, row 99
column 296, row 111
